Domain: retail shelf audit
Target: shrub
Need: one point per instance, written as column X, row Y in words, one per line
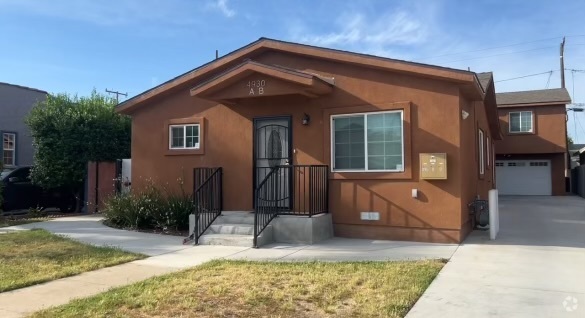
column 153, row 208
column 36, row 212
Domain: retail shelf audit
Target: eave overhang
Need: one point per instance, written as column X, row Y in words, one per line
column 252, row 80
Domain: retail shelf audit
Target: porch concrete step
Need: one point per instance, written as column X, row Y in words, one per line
column 227, row 240
column 231, row 239
column 225, row 228
column 233, row 217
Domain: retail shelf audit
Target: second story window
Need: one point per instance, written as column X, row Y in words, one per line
column 521, row 122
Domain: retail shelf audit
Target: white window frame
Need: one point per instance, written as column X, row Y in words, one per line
column 13, row 149
column 365, row 114
column 487, row 150
column 184, row 126
column 520, row 131
column 481, row 153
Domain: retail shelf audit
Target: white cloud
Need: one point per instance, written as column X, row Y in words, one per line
column 391, row 29
column 222, row 6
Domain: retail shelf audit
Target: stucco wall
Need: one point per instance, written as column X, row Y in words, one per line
column 549, row 135
column 474, row 183
column 15, row 103
column 432, row 124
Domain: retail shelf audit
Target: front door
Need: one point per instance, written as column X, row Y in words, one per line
column 273, row 148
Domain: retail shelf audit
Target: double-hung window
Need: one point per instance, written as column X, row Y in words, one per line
column 184, row 136
column 368, row 142
column 9, row 149
column 521, row 122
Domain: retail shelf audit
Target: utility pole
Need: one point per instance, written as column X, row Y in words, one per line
column 117, row 94
column 563, row 63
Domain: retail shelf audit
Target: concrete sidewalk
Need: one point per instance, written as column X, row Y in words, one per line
column 169, row 255
column 536, row 267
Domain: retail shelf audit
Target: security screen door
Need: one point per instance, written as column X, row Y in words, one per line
column 272, row 149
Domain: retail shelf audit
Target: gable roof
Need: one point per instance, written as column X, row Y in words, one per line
column 313, row 84
column 265, row 44
column 24, row 87
column 484, row 79
column 536, row 97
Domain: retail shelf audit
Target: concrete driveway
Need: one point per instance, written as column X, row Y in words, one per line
column 536, row 267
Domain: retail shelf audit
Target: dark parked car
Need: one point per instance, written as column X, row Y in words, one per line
column 20, row 193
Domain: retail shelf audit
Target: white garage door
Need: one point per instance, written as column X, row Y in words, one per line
column 523, row 177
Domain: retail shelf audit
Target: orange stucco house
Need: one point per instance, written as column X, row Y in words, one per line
column 532, row 157
column 331, row 142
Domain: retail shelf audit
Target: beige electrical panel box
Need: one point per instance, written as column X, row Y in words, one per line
column 433, row 166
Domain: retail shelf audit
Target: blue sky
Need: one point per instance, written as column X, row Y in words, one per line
column 132, row 45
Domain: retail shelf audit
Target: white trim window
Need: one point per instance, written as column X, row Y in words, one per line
column 9, row 149
column 520, row 122
column 481, row 153
column 184, row 136
column 487, row 150
column 371, row 142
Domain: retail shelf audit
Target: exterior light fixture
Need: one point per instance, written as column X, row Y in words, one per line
column 306, row 119
column 464, row 114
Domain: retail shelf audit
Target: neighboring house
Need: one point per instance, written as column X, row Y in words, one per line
column 532, row 157
column 575, row 150
column 579, row 154
column 15, row 103
column 392, row 149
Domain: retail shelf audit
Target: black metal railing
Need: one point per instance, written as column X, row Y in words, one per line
column 207, row 199
column 290, row 190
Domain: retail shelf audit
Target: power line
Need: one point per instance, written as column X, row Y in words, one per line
column 489, row 48
column 117, row 94
column 519, row 77
column 502, row 46
column 573, row 80
column 579, row 122
column 494, row 55
column 548, row 80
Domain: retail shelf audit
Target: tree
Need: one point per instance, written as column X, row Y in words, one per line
column 569, row 141
column 68, row 131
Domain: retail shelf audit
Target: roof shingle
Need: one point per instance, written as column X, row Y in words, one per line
column 484, row 79
column 543, row 96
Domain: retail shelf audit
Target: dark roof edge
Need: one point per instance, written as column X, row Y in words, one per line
column 25, row 87
column 369, row 55
column 190, row 71
column 546, row 103
column 293, row 43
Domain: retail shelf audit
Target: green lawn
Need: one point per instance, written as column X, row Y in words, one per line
column 266, row 289
column 7, row 222
column 32, row 257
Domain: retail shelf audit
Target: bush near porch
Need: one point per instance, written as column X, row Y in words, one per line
column 151, row 209
column 266, row 289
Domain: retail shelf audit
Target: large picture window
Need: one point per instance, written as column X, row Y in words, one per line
column 368, row 142
column 9, row 149
column 520, row 122
column 184, row 137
